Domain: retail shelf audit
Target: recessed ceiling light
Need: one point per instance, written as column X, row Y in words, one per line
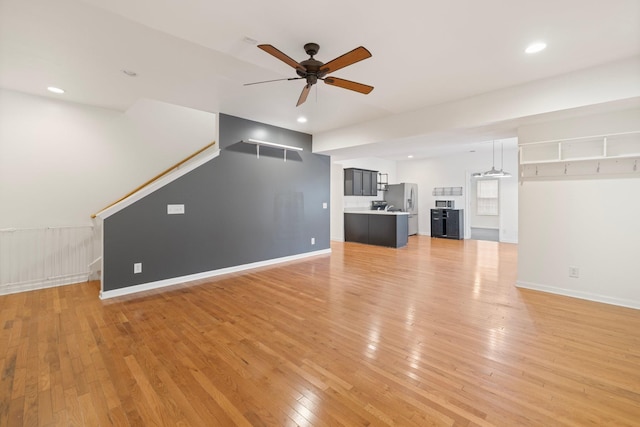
column 302, row 119
column 535, row 47
column 55, row 89
column 410, row 156
column 129, row 73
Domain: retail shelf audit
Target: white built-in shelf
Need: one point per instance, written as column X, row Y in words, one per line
column 259, row 143
column 601, row 154
column 600, row 147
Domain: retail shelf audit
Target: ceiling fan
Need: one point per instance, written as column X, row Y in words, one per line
column 313, row 70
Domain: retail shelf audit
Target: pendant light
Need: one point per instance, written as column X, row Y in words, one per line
column 503, row 174
column 493, row 172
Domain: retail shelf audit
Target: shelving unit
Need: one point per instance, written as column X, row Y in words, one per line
column 447, row 191
column 383, row 181
column 259, row 143
column 610, row 154
column 622, row 145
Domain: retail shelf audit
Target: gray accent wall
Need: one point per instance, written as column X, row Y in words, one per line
column 238, row 210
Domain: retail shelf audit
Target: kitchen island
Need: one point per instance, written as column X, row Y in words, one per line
column 382, row 228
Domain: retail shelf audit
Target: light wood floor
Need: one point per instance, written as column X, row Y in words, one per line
column 432, row 334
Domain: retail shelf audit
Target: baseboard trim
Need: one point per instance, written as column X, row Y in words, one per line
column 205, row 275
column 581, row 295
column 513, row 241
column 14, row 288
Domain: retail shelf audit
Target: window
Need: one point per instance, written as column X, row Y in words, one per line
column 487, row 197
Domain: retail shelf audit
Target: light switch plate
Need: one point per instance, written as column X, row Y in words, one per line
column 574, row 272
column 324, row 205
column 175, row 209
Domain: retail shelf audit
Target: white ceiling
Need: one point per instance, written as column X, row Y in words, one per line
column 194, row 52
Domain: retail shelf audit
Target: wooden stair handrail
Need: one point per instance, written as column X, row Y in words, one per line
column 155, row 178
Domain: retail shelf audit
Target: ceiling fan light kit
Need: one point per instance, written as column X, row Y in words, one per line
column 313, row 70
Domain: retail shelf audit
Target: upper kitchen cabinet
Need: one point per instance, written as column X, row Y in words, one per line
column 360, row 182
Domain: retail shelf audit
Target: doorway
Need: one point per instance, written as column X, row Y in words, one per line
column 484, row 212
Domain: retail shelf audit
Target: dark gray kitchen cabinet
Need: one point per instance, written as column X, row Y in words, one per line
column 356, row 228
column 360, row 182
column 436, row 223
column 388, row 230
column 376, row 229
column 353, row 182
column 366, row 183
column 447, row 223
column 374, row 183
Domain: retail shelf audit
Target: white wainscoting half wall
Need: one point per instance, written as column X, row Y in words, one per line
column 37, row 258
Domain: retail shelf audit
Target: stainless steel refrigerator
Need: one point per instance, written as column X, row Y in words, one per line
column 404, row 196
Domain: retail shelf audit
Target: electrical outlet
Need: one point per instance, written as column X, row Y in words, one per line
column 137, row 268
column 324, row 205
column 574, row 272
column 313, row 240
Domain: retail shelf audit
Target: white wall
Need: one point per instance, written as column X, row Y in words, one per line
column 340, row 202
column 337, row 203
column 455, row 171
column 61, row 162
column 591, row 223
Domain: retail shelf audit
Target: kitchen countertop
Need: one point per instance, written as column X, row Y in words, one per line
column 372, row 212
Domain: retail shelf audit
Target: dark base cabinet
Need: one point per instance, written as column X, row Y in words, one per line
column 376, row 229
column 356, row 228
column 447, row 223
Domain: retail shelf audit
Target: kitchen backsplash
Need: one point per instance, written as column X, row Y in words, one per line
column 354, row 202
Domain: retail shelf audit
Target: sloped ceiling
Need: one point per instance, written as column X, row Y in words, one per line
column 200, row 53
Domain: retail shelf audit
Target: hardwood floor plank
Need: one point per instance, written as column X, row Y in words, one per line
column 87, row 407
column 435, row 333
column 16, row 413
column 45, row 407
column 31, row 392
column 234, row 414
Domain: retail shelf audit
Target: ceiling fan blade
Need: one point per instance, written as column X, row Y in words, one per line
column 357, row 54
column 304, row 94
column 281, row 56
column 269, row 81
column 348, row 84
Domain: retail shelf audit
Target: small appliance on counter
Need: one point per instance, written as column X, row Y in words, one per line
column 378, row 205
column 445, row 204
